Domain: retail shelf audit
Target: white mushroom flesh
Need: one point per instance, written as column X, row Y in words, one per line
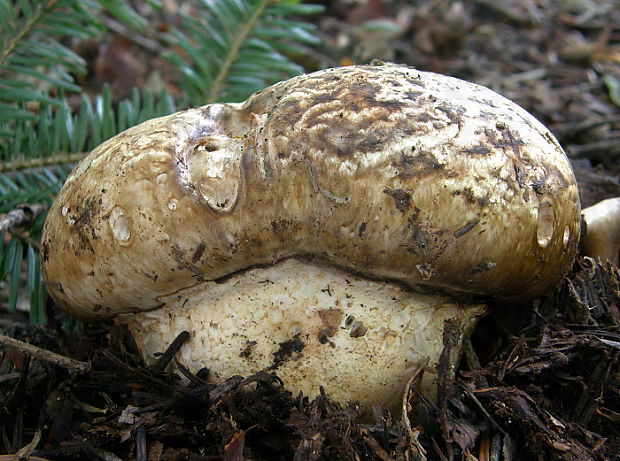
column 313, row 325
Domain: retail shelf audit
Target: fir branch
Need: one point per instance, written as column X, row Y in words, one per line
column 233, row 52
column 25, row 30
column 228, row 49
column 58, row 159
column 45, row 355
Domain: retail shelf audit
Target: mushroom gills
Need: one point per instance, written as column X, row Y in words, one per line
column 312, row 324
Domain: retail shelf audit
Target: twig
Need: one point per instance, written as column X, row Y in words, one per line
column 607, row 147
column 572, row 127
column 44, row 354
column 41, row 162
column 17, row 389
column 172, row 350
column 25, row 452
column 472, row 395
column 138, row 372
column 141, row 453
column 9, row 376
column 104, row 454
column 30, row 458
column 21, row 215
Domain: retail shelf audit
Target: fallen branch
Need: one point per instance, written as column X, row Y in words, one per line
column 41, row 162
column 21, row 215
column 44, row 354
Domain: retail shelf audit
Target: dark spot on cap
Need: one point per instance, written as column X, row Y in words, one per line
column 420, row 164
column 466, row 228
column 413, row 95
column 361, row 229
column 469, row 195
column 247, row 350
column 415, row 81
column 477, row 150
column 402, row 199
column 324, row 336
column 280, row 227
column 482, row 266
column 198, row 253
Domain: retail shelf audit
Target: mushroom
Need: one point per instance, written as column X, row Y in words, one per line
column 601, row 238
column 326, row 228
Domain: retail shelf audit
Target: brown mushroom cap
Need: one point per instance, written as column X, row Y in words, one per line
column 383, row 170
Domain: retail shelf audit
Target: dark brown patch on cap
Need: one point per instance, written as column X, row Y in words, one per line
column 413, row 95
column 331, row 319
column 246, row 352
column 415, row 81
column 417, row 165
column 341, row 119
column 469, row 195
column 362, row 229
column 83, row 226
column 323, row 336
column 482, row 266
column 402, row 199
column 200, row 249
column 477, row 150
column 183, row 264
column 425, row 117
column 344, row 137
column 281, row 227
column 425, row 240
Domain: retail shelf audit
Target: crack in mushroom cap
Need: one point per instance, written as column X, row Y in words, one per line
column 383, row 170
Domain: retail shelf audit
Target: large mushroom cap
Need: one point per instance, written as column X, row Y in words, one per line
column 383, row 170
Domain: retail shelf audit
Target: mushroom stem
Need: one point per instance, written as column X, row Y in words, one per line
column 315, row 326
